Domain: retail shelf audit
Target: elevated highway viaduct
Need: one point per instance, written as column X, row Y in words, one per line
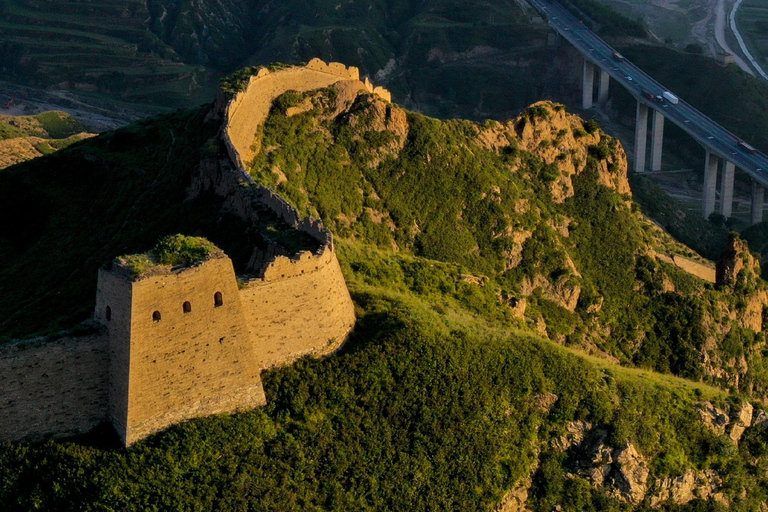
column 723, row 148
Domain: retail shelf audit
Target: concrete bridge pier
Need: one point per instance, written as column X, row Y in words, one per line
column 605, row 80
column 587, row 85
column 710, row 184
column 758, row 193
column 726, row 189
column 657, row 140
column 641, row 136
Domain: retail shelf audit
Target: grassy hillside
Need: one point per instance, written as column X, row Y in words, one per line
column 463, row 246
column 50, row 125
column 425, row 393
column 523, row 206
column 26, row 137
column 97, row 48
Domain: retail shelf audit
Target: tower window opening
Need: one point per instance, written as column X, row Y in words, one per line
column 187, row 307
column 156, row 316
column 108, row 313
column 218, row 300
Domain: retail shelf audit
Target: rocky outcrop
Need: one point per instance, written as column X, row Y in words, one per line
column 576, row 432
column 560, row 139
column 562, row 292
column 687, row 487
column 742, row 419
column 713, row 418
column 515, row 500
column 630, row 474
column 734, row 259
column 623, row 472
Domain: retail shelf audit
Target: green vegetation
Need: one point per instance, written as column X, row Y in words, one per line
column 238, row 81
column 172, row 251
column 443, row 384
column 49, row 125
column 130, row 199
column 704, row 237
column 426, row 392
column 183, row 250
column 102, row 49
column 366, row 187
column 607, row 21
column 10, row 132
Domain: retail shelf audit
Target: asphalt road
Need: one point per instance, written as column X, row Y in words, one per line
column 708, row 133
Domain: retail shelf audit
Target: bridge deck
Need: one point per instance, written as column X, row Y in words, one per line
column 708, row 133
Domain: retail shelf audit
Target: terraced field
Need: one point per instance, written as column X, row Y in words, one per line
column 96, row 48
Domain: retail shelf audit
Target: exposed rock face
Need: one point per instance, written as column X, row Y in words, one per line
column 515, row 499
column 760, row 419
column 559, row 138
column 372, row 113
column 687, row 487
column 624, row 472
column 741, row 421
column 546, row 401
column 735, row 258
column 631, row 474
column 562, row 292
column 576, row 431
column 713, row 418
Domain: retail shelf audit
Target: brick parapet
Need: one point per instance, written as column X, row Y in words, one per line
column 53, row 388
column 245, row 111
column 143, row 376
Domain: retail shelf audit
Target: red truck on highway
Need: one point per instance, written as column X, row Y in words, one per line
column 746, row 147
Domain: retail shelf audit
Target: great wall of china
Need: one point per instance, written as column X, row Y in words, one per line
column 192, row 342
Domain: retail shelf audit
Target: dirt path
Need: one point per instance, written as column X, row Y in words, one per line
column 720, row 24
column 700, row 30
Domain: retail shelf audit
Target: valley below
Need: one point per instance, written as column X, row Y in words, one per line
column 526, row 325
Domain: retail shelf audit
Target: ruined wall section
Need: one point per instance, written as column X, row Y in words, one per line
column 53, row 388
column 191, row 353
column 299, row 308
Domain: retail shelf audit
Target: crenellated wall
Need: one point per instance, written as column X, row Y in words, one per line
column 143, row 375
column 299, row 308
column 248, row 109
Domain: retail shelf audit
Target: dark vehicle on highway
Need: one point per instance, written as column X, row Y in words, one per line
column 746, row 147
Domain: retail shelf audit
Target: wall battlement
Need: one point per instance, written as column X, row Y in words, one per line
column 164, row 349
column 247, row 110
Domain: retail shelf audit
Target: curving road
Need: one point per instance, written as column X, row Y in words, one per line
column 720, row 23
column 708, row 133
column 742, row 45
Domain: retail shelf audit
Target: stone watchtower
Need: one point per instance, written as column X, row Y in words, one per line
column 179, row 346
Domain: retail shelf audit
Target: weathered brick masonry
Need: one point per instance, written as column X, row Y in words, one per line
column 188, row 343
